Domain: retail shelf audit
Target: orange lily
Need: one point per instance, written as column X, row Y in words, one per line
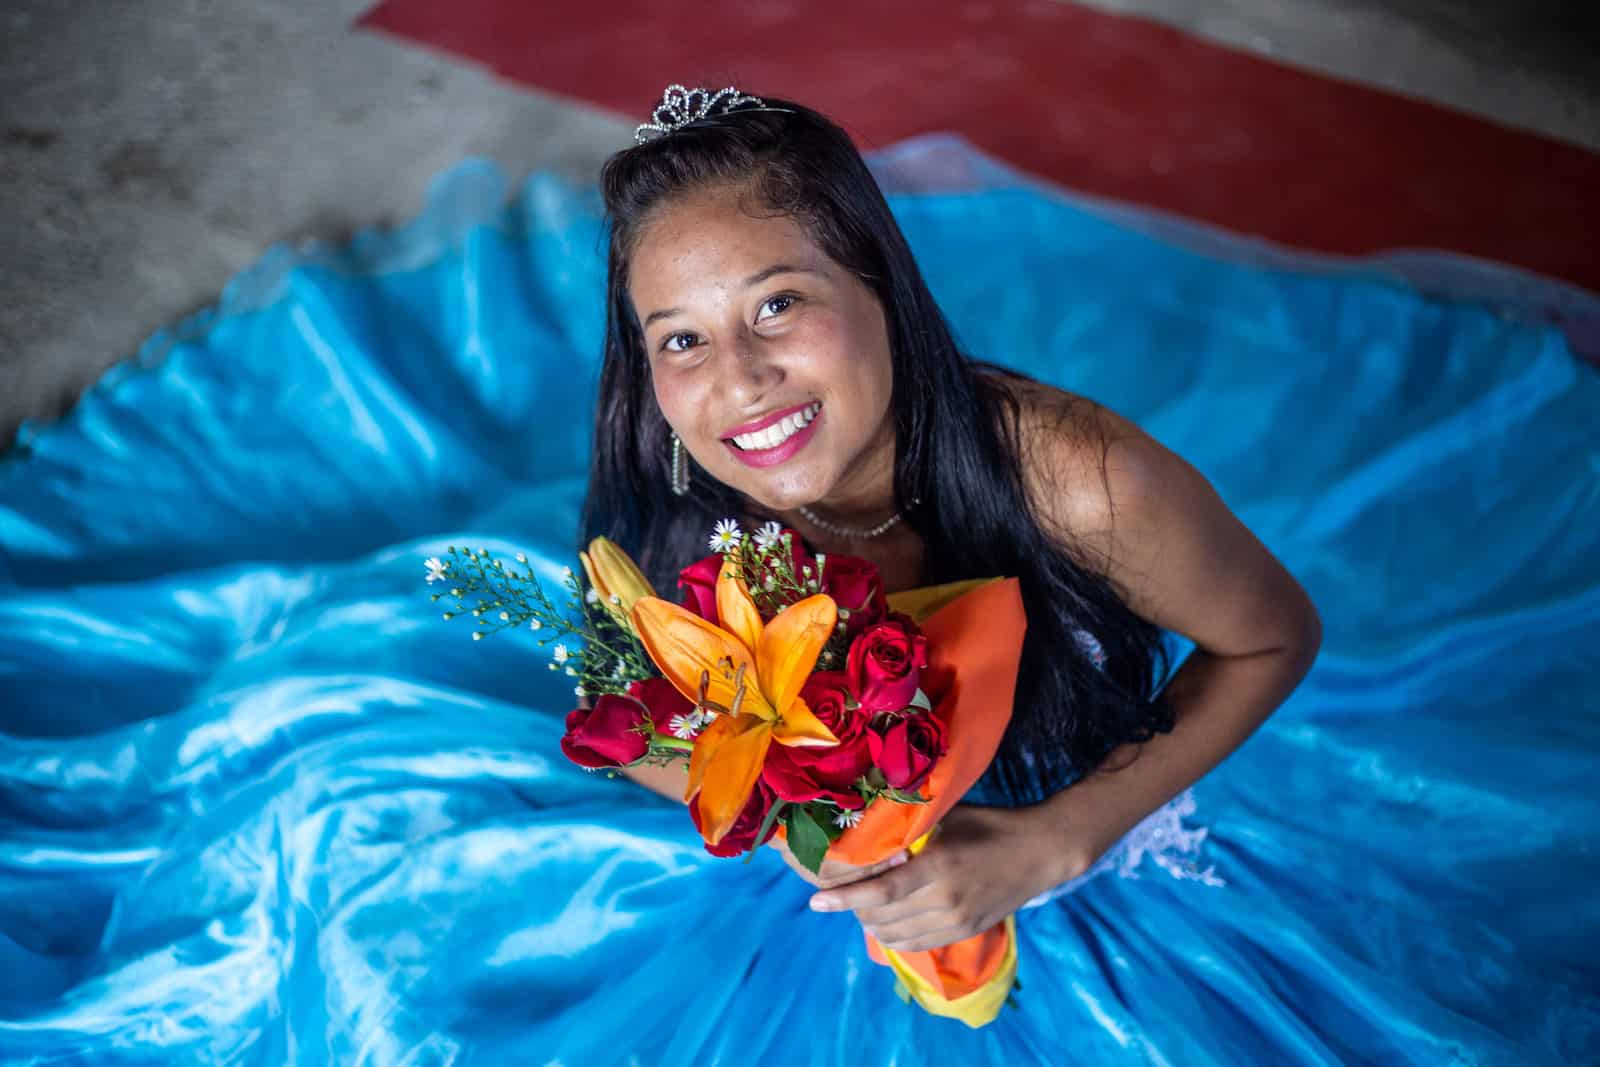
column 747, row 671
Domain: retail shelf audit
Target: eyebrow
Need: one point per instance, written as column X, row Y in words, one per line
column 755, row 279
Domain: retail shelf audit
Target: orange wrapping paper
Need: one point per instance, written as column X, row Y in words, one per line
column 974, row 632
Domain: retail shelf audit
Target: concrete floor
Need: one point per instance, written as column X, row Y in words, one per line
column 150, row 149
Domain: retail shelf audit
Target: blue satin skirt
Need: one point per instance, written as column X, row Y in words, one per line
column 259, row 804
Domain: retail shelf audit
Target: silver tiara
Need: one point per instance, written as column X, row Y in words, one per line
column 680, row 106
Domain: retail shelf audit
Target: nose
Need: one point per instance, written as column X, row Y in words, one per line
column 751, row 372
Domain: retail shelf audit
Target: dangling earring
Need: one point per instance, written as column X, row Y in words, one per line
column 680, row 468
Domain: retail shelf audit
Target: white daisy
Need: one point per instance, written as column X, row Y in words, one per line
column 560, row 653
column 577, row 690
column 847, row 819
column 767, row 536
column 591, row 597
column 725, row 535
column 436, row 568
column 689, row 726
column 534, row 624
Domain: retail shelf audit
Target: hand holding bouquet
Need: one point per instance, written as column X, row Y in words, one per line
column 805, row 701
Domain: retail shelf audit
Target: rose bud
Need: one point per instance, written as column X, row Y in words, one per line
column 857, row 587
column 662, row 700
column 699, row 584
column 741, row 837
column 606, row 735
column 885, row 663
column 906, row 748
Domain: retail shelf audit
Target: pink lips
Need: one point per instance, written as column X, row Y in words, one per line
column 764, row 422
column 768, row 457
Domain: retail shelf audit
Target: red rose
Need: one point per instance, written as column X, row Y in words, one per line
column 906, row 748
column 741, row 837
column 663, row 701
column 857, row 587
column 885, row 664
column 699, row 584
column 803, row 774
column 606, row 735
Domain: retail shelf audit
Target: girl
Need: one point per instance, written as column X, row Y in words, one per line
column 771, row 345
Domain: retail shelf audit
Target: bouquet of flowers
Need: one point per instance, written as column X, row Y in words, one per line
column 803, row 701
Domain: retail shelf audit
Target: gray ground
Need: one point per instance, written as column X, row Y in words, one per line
column 150, row 149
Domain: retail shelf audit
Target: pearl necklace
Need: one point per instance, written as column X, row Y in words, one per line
column 845, row 531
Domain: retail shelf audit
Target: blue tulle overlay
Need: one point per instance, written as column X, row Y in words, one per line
column 260, row 804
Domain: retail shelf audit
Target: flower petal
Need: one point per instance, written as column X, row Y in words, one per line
column 596, row 579
column 734, row 748
column 799, row 727
column 736, row 611
column 789, row 647
column 683, row 645
column 623, row 577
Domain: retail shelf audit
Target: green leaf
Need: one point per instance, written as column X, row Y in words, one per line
column 807, row 841
column 773, row 814
column 823, row 815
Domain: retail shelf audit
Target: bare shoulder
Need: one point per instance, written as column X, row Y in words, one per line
column 1154, row 526
column 1083, row 465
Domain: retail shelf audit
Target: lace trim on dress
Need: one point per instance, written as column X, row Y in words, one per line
column 1162, row 837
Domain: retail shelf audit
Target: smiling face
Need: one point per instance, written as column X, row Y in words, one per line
column 769, row 359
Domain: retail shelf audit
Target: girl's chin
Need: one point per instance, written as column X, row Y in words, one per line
column 775, row 496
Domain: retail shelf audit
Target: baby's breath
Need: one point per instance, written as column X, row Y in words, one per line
column 767, row 537
column 604, row 658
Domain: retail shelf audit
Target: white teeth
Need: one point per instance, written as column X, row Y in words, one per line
column 779, row 432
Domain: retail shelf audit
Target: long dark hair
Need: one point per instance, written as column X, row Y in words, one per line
column 958, row 476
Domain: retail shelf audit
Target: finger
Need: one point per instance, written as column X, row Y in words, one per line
column 849, row 875
column 873, row 892
column 925, row 940
column 923, row 900
column 905, row 931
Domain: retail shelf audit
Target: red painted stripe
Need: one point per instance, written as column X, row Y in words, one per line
column 1115, row 106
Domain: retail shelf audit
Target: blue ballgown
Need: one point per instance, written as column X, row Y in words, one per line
column 262, row 805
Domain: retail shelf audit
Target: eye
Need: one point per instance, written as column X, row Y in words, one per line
column 777, row 305
column 677, row 342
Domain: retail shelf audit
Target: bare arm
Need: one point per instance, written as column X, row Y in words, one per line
column 668, row 780
column 1182, row 560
